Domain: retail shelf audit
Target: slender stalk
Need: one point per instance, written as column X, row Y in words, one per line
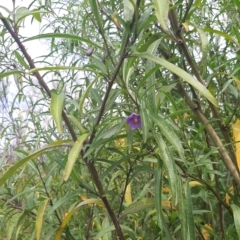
column 229, row 162
column 211, row 132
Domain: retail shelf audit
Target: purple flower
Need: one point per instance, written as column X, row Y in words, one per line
column 89, row 52
column 134, row 121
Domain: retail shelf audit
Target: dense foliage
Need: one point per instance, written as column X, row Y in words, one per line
column 72, row 167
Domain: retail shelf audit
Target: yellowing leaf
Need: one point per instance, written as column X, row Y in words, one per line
column 118, row 24
column 194, row 183
column 69, row 215
column 73, row 155
column 166, row 190
column 205, row 233
column 236, row 137
column 227, row 198
column 237, row 81
column 167, row 205
column 186, row 26
column 121, row 142
column 63, row 225
column 39, row 219
column 84, row 198
column 128, row 195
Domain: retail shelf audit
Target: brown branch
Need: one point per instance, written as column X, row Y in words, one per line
column 184, row 49
column 211, row 132
column 36, row 74
column 182, row 44
column 89, row 164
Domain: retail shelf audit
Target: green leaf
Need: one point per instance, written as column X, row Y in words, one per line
column 237, row 3
column 8, row 73
column 181, row 73
column 39, row 218
column 145, row 123
column 183, row 211
column 129, row 7
column 168, row 160
column 57, row 204
column 144, row 18
column 138, row 206
column 64, row 36
column 114, row 93
column 96, row 15
column 190, row 218
column 36, row 14
column 56, row 107
column 73, row 155
column 236, row 216
column 23, row 12
column 57, row 68
column 222, row 34
column 84, row 96
column 112, row 228
column 21, row 162
column 161, row 12
column 204, row 49
column 21, row 59
column 158, row 194
column 77, row 124
column 167, row 131
column 151, row 79
column 68, row 216
column 23, row 192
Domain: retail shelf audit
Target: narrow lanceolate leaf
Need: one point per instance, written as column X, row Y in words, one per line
column 183, row 211
column 161, row 11
column 84, row 96
column 161, row 204
column 23, row 12
column 96, row 14
column 73, row 155
column 158, row 193
column 21, row 59
column 21, row 162
column 59, row 68
column 236, row 137
column 8, row 73
column 181, row 73
column 63, row 225
column 237, row 3
column 39, row 219
column 128, row 194
column 64, row 36
column 190, row 219
column 151, row 80
column 168, row 133
column 222, row 34
column 167, row 158
column 69, row 215
column 138, row 206
column 145, row 123
column 129, row 7
column 56, row 107
column 204, row 49
column 77, row 124
column 236, row 216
